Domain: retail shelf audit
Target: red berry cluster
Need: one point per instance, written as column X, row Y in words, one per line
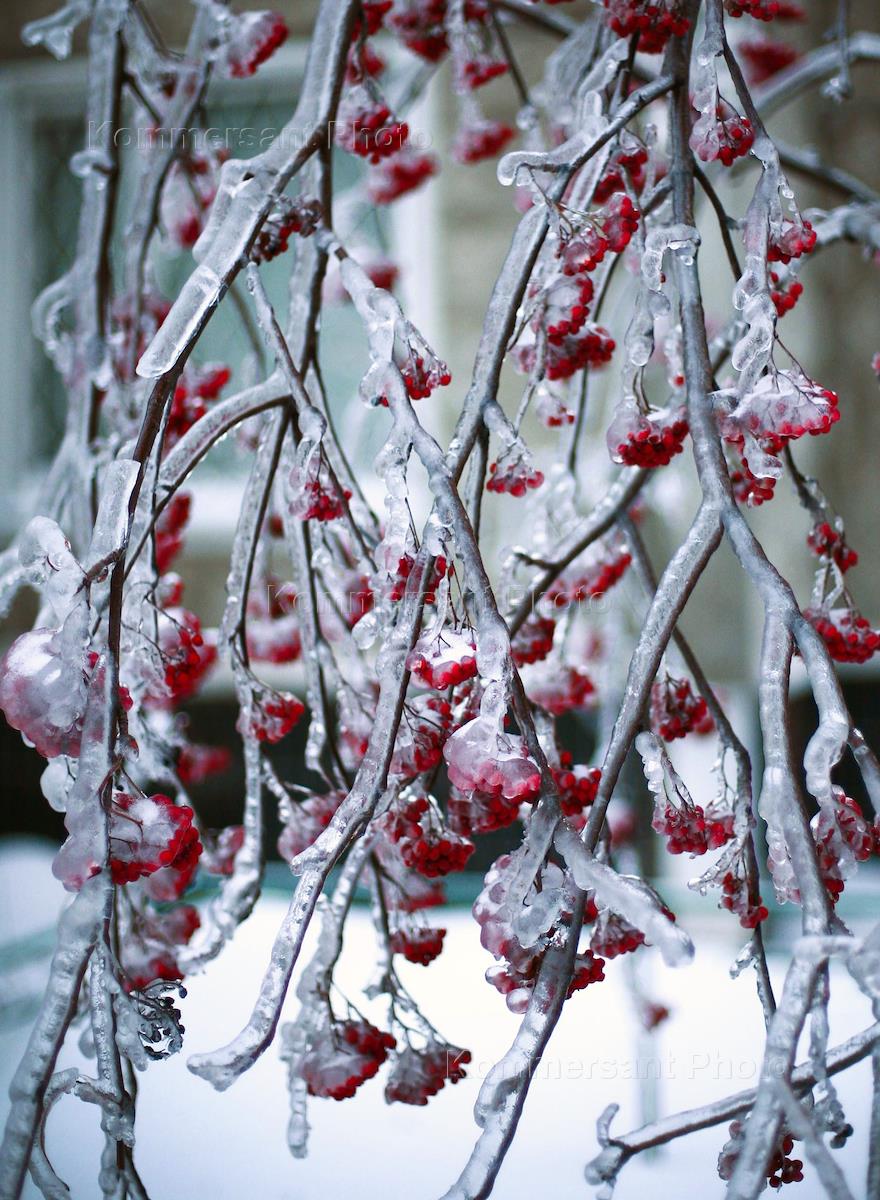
column 478, row 140
column 288, row 217
column 195, row 764
column 588, row 968
column 655, row 21
column 561, row 690
column 591, row 582
column 147, row 833
column 421, row 378
column 322, row 504
column 148, row 949
column 394, row 177
column 422, row 734
column 735, row 898
column 842, row 834
column 481, row 812
column 262, row 34
column 748, row 488
column 567, row 306
column 782, row 1168
column 652, row 441
column 424, row 848
column 688, row 830
column 625, row 166
column 169, row 529
column 591, row 347
column 307, row 820
column 534, row 640
column 478, row 71
column 444, row 661
column 577, row 785
column 676, row 711
column 765, row 58
column 765, row 10
column 791, row 241
column 370, row 132
column 618, row 220
column 404, row 570
column 828, row 543
column 186, row 655
column 420, row 25
column 785, row 294
column 584, row 251
column 171, row 879
column 418, row 944
column 612, row 935
column 353, row 1052
column 847, row 634
column 513, row 475
column 732, row 136
column 194, row 390
column 419, row 1074
column 272, row 716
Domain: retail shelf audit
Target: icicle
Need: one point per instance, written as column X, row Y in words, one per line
column 626, row 895
column 56, row 32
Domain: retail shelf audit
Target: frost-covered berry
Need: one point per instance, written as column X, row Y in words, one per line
column 367, row 128
column 272, row 715
column 830, row 544
column 43, row 690
column 287, row 218
column 618, row 220
column 577, row 785
column 848, row 635
column 402, row 173
column 254, row 38
column 534, row 640
column 482, row 758
column 654, row 21
column 416, row 1075
column 513, row 473
column 220, row 848
column 765, row 57
column 186, row 654
column 646, row 439
column 722, row 136
column 169, row 530
column 676, row 711
column 345, row 1055
column 793, row 239
column 424, row 843
column 419, row 944
column 146, row 833
column 784, row 293
column 560, row 690
column 195, row 763
column 305, row 821
column 480, row 139
column 443, row 660
column 765, row 10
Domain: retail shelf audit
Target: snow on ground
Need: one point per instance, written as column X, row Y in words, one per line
column 197, row 1144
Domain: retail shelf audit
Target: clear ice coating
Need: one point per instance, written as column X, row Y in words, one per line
column 626, row 895
column 56, row 31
